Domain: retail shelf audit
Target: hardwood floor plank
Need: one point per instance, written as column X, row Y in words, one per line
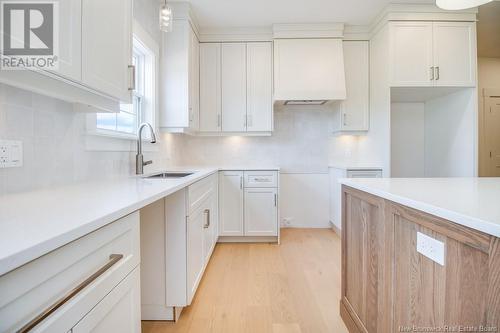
column 266, row 288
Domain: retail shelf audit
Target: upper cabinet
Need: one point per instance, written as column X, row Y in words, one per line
column 424, row 54
column 107, row 47
column 309, row 69
column 95, row 56
column 353, row 113
column 236, row 87
column 181, row 79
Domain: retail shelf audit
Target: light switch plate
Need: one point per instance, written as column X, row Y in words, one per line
column 11, row 154
column 431, row 248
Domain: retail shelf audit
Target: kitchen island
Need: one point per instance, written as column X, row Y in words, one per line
column 421, row 255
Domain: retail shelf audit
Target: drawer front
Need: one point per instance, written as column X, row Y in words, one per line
column 364, row 174
column 30, row 289
column 261, row 178
column 201, row 190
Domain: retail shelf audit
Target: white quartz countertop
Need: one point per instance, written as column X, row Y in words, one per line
column 471, row 202
column 35, row 223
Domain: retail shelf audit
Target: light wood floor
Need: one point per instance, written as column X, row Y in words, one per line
column 294, row 287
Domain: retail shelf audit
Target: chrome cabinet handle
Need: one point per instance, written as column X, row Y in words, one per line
column 432, row 73
column 132, row 88
column 344, row 115
column 261, row 180
column 275, row 200
column 219, row 120
column 241, row 182
column 207, row 214
column 113, row 259
column 437, row 73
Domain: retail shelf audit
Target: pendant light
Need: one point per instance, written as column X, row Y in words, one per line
column 460, row 4
column 165, row 17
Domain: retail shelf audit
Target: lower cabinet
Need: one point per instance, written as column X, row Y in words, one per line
column 388, row 286
column 119, row 311
column 248, row 204
column 102, row 266
column 261, row 212
column 184, row 225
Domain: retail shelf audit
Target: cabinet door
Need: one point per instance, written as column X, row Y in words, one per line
column 209, row 227
column 210, row 87
column 411, row 54
column 195, row 223
column 70, row 39
column 259, row 87
column 194, row 81
column 234, row 87
column 231, row 203
column 355, row 109
column 455, row 53
column 261, row 209
column 107, row 46
column 119, row 311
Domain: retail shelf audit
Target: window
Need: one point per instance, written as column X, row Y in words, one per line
column 126, row 122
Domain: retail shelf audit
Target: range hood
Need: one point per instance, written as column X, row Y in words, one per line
column 307, row 70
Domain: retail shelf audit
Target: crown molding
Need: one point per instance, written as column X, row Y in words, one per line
column 308, row 30
column 236, row 34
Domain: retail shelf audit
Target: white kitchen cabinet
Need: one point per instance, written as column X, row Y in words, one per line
column 454, row 45
column 425, row 54
column 411, row 54
column 261, row 212
column 110, row 253
column 353, row 113
column 107, row 47
column 179, row 235
column 210, row 87
column 308, row 69
column 119, row 311
column 231, row 203
column 195, row 250
column 234, row 87
column 248, row 204
column 70, row 40
column 259, row 87
column 180, row 93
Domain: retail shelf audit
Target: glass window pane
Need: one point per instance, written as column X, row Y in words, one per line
column 106, row 121
column 126, row 123
column 129, row 108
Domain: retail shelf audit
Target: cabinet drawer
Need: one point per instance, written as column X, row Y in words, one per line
column 30, row 289
column 201, row 190
column 364, row 174
column 261, row 178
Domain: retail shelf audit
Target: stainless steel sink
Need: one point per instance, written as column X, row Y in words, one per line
column 165, row 175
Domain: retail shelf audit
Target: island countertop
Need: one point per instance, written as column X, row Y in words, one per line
column 471, row 202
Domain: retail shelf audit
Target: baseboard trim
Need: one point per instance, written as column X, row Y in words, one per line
column 349, row 321
column 248, row 239
column 335, row 229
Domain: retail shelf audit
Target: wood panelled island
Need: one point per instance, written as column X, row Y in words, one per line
column 390, row 286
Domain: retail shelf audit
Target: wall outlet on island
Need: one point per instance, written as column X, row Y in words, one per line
column 431, row 248
column 286, row 222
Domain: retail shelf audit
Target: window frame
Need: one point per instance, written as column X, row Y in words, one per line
column 149, row 48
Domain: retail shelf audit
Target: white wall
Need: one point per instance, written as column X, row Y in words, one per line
column 407, row 140
column 450, row 135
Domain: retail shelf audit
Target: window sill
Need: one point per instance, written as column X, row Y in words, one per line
column 102, row 140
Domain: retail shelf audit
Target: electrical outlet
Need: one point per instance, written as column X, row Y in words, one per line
column 11, row 154
column 431, row 248
column 286, row 222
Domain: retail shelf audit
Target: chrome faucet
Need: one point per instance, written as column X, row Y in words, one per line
column 139, row 159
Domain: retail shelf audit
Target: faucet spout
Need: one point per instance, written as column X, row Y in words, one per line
column 139, row 159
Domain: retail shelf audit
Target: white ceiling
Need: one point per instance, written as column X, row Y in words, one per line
column 488, row 30
column 263, row 13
